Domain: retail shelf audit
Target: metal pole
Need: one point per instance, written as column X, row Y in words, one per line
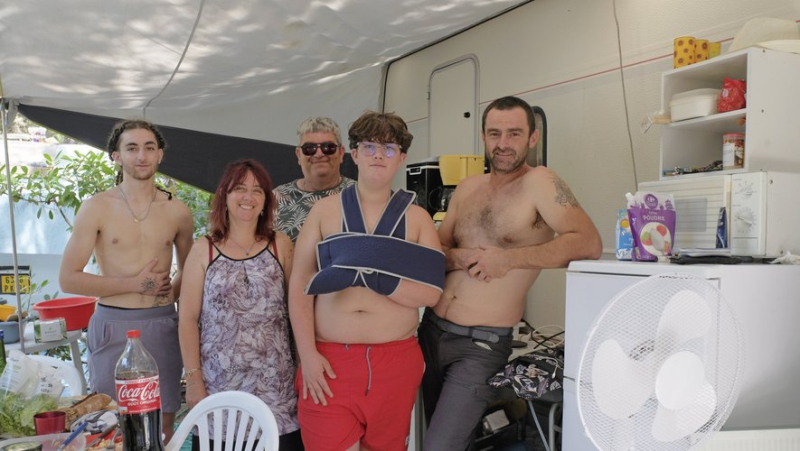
column 21, row 321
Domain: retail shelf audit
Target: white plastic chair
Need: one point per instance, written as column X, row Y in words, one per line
column 66, row 370
column 235, row 409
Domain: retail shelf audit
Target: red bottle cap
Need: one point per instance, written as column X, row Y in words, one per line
column 134, row 333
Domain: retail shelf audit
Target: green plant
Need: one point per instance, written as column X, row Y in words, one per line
column 61, row 186
column 28, row 296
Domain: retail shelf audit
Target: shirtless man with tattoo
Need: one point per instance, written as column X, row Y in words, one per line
column 500, row 231
column 132, row 230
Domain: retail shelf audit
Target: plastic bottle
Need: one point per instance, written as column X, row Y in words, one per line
column 138, row 397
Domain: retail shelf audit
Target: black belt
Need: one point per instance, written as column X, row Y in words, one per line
column 490, row 334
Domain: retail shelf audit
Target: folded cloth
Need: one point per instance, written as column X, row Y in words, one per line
column 377, row 262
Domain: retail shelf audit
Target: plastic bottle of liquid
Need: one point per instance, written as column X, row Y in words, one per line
column 138, row 397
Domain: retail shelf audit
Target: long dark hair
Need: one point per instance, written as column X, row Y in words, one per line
column 235, row 174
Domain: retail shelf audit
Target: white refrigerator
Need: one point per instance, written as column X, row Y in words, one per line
column 766, row 302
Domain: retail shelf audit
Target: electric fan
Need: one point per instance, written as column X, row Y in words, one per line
column 662, row 366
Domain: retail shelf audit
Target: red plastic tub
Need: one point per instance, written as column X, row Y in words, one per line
column 75, row 311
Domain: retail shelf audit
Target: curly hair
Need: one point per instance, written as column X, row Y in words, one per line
column 234, row 174
column 123, row 126
column 382, row 128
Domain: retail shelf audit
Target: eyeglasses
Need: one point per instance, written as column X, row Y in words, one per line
column 328, row 148
column 370, row 148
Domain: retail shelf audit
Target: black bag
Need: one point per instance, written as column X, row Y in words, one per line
column 538, row 375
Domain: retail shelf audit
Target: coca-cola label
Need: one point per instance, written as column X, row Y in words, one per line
column 138, row 395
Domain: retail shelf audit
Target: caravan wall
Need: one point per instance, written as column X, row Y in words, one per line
column 564, row 56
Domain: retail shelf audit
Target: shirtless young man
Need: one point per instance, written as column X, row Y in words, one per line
column 499, row 232
column 132, row 230
column 354, row 320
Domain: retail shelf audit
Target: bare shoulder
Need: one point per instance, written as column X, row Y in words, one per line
column 539, row 173
column 546, row 182
column 199, row 247
column 283, row 241
column 418, row 216
column 198, row 254
column 469, row 186
column 328, row 204
column 473, row 182
column 97, row 205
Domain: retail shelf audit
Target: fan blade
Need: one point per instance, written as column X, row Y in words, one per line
column 686, row 316
column 674, row 424
column 680, row 379
column 621, row 385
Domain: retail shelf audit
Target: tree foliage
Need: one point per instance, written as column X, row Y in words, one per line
column 61, row 186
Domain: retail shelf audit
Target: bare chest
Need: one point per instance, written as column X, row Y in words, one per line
column 120, row 232
column 499, row 220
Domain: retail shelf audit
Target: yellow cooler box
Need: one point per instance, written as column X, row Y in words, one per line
column 455, row 168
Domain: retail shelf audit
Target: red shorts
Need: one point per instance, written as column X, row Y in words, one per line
column 373, row 394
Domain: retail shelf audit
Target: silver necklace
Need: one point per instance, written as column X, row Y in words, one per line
column 245, row 249
column 137, row 219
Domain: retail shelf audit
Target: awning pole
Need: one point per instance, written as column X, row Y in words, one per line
column 20, row 320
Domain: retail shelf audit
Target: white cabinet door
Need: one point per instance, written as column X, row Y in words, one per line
column 454, row 108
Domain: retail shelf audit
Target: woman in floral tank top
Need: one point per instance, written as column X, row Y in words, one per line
column 234, row 327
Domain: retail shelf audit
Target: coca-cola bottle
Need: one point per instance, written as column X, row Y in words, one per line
column 138, row 397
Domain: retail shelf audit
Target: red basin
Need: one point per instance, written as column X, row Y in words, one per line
column 75, row 311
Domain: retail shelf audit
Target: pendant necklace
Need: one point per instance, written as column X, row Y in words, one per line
column 245, row 249
column 137, row 219
column 247, row 253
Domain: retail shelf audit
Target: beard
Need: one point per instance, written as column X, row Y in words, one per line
column 138, row 175
column 504, row 165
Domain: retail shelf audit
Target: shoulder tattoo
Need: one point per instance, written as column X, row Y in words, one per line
column 564, row 195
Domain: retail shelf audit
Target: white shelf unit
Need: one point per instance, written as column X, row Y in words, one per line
column 772, row 126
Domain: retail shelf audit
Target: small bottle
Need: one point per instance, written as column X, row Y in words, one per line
column 732, row 150
column 138, row 397
column 2, row 351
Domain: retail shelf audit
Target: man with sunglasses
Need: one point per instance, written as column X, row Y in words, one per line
column 320, row 154
column 366, row 260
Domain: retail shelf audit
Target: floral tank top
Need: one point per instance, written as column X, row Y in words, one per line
column 244, row 333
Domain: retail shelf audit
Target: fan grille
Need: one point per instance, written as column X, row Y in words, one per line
column 646, row 325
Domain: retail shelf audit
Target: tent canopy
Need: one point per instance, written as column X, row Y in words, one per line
column 251, row 69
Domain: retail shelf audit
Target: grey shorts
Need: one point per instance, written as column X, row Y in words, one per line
column 107, row 337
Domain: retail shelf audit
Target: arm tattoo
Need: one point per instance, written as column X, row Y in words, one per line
column 148, row 285
column 564, row 195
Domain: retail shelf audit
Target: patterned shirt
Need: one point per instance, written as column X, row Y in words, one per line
column 294, row 205
column 244, row 333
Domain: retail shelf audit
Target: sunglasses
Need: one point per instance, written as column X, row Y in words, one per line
column 328, row 148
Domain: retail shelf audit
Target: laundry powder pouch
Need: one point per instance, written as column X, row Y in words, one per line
column 624, row 239
column 652, row 221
